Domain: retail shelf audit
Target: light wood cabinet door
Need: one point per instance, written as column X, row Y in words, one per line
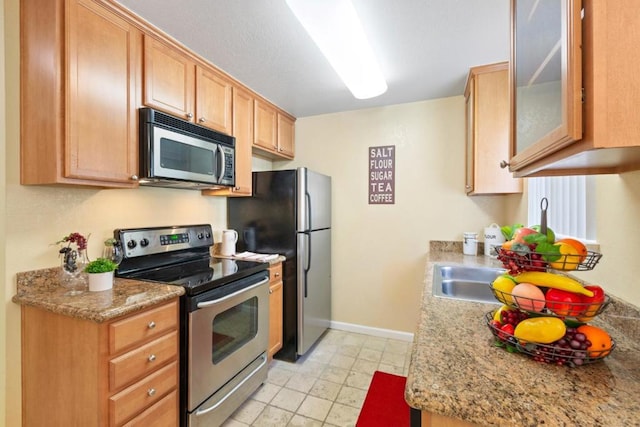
column 79, row 112
column 243, row 132
column 275, row 309
column 487, row 131
column 603, row 91
column 169, row 79
column 265, row 126
column 213, row 100
column 286, row 136
column 72, row 376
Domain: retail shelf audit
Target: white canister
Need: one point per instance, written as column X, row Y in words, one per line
column 470, row 243
column 229, row 239
column 492, row 237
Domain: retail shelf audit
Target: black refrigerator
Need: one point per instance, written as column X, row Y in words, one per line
column 290, row 214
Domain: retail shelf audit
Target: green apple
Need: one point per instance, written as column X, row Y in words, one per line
column 551, row 236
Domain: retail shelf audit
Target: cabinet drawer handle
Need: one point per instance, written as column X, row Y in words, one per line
column 277, row 275
column 134, row 177
column 504, row 164
column 270, row 291
column 202, row 120
column 151, row 392
column 189, row 115
column 151, row 358
column 151, row 325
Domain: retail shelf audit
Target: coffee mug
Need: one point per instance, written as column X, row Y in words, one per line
column 229, row 239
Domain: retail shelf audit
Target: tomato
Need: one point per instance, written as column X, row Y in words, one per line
column 506, row 331
column 564, row 303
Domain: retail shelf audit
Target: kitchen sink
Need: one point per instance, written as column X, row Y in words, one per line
column 462, row 282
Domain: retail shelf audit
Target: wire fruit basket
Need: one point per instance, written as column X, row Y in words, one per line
column 571, row 350
column 528, row 260
column 580, row 311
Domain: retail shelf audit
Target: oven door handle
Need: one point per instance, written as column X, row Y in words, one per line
column 231, row 393
column 219, row 300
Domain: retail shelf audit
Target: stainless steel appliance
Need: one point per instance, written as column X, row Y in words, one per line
column 224, row 316
column 290, row 214
column 179, row 154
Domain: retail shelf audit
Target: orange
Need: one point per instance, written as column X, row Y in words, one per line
column 578, row 245
column 600, row 340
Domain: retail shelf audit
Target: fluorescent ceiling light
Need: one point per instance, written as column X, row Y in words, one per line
column 334, row 26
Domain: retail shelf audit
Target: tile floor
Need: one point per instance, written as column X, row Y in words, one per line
column 327, row 386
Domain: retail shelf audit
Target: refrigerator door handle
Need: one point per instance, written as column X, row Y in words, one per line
column 307, row 266
column 307, row 197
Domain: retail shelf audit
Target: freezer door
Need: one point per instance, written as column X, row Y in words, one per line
column 314, row 286
column 313, row 200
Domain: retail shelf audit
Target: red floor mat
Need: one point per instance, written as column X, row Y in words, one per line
column 384, row 405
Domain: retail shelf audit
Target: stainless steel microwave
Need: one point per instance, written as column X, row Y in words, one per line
column 179, row 154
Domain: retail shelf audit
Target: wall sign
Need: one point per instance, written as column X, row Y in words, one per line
column 382, row 166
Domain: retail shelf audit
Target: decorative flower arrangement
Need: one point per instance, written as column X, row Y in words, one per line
column 73, row 258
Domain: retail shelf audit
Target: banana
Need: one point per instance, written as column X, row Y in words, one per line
column 551, row 280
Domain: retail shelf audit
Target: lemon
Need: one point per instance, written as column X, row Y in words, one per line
column 496, row 314
column 502, row 286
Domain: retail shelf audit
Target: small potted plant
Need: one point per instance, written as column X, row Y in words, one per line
column 100, row 273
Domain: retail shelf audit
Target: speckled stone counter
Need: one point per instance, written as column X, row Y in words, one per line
column 455, row 371
column 42, row 289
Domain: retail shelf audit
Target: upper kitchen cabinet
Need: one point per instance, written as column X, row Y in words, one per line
column 176, row 84
column 243, row 132
column 273, row 131
column 80, row 70
column 574, row 87
column 487, row 131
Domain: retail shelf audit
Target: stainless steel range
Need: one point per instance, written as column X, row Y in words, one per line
column 224, row 316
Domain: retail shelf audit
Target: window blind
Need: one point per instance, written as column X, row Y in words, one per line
column 571, row 210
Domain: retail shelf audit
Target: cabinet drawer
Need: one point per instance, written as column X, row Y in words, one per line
column 162, row 414
column 275, row 273
column 128, row 332
column 141, row 395
column 141, row 361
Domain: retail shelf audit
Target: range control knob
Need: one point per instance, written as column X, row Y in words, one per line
column 200, row 236
column 207, row 235
column 131, row 244
column 144, row 242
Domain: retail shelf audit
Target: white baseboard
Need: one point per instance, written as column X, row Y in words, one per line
column 368, row 330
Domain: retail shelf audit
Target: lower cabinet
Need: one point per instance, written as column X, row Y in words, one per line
column 275, row 309
column 119, row 373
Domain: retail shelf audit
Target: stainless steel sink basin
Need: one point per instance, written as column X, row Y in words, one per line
column 463, row 282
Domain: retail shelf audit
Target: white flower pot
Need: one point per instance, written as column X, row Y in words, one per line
column 100, row 281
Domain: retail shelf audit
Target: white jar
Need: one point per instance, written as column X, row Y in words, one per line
column 470, row 243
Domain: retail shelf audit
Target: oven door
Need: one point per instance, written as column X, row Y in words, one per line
column 228, row 330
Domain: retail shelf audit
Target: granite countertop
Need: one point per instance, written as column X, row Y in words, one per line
column 456, row 371
column 42, row 289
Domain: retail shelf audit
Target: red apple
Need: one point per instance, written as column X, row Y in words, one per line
column 520, row 233
column 564, row 303
column 596, row 301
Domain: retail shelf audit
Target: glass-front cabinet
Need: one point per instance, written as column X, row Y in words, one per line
column 574, row 87
column 546, row 83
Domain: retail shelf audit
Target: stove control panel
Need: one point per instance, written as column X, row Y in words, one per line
column 138, row 242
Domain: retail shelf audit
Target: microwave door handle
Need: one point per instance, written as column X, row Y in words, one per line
column 220, row 163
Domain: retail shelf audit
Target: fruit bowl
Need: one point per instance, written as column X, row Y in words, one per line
column 580, row 311
column 571, row 350
column 516, row 261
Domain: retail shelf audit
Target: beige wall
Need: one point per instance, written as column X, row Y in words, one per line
column 3, row 204
column 379, row 250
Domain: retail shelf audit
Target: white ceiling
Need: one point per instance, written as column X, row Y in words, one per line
column 425, row 47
